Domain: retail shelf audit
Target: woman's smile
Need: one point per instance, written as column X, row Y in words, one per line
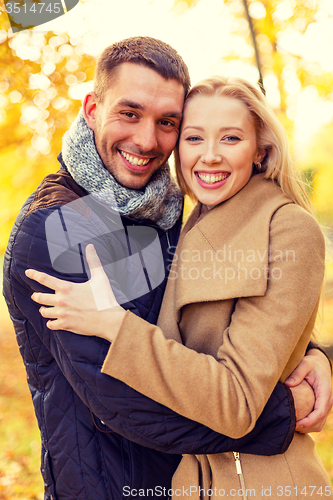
column 212, row 180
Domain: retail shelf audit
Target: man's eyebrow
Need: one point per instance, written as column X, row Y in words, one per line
column 127, row 103
column 130, row 104
column 173, row 114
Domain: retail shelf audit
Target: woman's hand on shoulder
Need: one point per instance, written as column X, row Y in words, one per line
column 88, row 308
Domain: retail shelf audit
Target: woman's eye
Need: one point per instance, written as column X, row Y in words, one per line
column 231, row 138
column 193, row 138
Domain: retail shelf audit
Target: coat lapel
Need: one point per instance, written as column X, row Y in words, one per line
column 226, row 254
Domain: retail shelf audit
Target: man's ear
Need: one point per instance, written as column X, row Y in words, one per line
column 89, row 109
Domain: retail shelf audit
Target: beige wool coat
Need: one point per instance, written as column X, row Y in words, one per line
column 242, row 296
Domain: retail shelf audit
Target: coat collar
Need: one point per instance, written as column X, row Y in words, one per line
column 225, row 254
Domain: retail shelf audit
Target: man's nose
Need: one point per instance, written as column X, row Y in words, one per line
column 145, row 136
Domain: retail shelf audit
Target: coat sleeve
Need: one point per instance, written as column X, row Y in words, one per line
column 263, row 334
column 127, row 412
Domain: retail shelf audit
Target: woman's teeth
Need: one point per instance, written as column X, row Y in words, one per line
column 134, row 160
column 211, row 179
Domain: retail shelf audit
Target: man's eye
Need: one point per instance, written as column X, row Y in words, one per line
column 166, row 123
column 129, row 114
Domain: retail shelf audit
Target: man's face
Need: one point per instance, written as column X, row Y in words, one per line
column 136, row 126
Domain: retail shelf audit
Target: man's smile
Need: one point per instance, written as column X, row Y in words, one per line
column 134, row 160
column 136, row 163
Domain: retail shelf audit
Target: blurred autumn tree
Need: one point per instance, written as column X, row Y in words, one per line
column 277, row 22
column 280, row 26
column 39, row 75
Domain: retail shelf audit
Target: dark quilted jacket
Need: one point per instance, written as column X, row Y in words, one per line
column 102, row 440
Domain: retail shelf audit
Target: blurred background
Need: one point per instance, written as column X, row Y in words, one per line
column 46, row 71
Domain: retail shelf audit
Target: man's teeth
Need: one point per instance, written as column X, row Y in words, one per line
column 133, row 160
column 211, row 179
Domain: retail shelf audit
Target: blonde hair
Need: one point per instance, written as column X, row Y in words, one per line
column 271, row 136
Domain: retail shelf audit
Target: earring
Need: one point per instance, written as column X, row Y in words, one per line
column 258, row 165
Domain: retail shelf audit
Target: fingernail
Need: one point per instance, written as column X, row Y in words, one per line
column 291, row 380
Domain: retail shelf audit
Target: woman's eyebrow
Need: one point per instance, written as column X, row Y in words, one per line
column 193, row 126
column 222, row 129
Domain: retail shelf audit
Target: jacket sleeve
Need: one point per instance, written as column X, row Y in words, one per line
column 257, row 346
column 124, row 410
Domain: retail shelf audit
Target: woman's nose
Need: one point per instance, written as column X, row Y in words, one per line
column 211, row 156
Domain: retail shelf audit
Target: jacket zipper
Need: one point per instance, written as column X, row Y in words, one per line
column 167, row 237
column 239, row 471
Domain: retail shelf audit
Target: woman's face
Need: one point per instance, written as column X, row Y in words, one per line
column 217, row 147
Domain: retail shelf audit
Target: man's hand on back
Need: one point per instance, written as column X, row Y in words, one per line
column 314, row 369
column 304, row 399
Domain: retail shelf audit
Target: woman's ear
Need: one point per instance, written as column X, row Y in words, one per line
column 89, row 109
column 260, row 156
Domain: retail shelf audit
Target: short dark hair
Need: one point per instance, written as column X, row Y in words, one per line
column 143, row 50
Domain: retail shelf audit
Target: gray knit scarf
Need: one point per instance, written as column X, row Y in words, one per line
column 160, row 201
